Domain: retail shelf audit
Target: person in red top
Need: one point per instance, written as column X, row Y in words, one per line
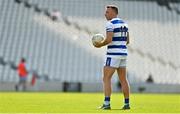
column 22, row 72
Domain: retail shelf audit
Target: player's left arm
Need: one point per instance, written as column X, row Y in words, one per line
column 127, row 38
column 108, row 40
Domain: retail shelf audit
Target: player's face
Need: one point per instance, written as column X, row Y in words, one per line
column 108, row 13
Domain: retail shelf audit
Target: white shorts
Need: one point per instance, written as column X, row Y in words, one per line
column 115, row 62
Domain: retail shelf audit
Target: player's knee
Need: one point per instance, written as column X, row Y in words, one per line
column 106, row 78
column 124, row 82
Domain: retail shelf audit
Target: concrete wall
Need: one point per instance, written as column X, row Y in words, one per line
column 96, row 87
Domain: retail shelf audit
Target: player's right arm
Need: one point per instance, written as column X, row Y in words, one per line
column 107, row 40
column 109, row 33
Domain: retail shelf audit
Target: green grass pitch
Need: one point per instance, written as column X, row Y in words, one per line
column 44, row 102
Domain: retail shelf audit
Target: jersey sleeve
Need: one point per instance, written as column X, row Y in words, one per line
column 109, row 27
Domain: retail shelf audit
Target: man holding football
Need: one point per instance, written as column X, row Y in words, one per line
column 117, row 38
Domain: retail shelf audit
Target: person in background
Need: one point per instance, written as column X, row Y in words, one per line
column 56, row 15
column 22, row 72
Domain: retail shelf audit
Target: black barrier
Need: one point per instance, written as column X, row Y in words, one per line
column 72, row 87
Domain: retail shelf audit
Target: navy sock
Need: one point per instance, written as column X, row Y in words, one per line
column 126, row 101
column 107, row 100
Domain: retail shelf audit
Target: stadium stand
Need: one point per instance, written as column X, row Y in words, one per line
column 63, row 50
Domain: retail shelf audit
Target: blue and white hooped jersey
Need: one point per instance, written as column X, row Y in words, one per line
column 117, row 48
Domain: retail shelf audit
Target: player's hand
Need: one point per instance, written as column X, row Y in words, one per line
column 97, row 45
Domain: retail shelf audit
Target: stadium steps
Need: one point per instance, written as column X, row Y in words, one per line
column 44, row 39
